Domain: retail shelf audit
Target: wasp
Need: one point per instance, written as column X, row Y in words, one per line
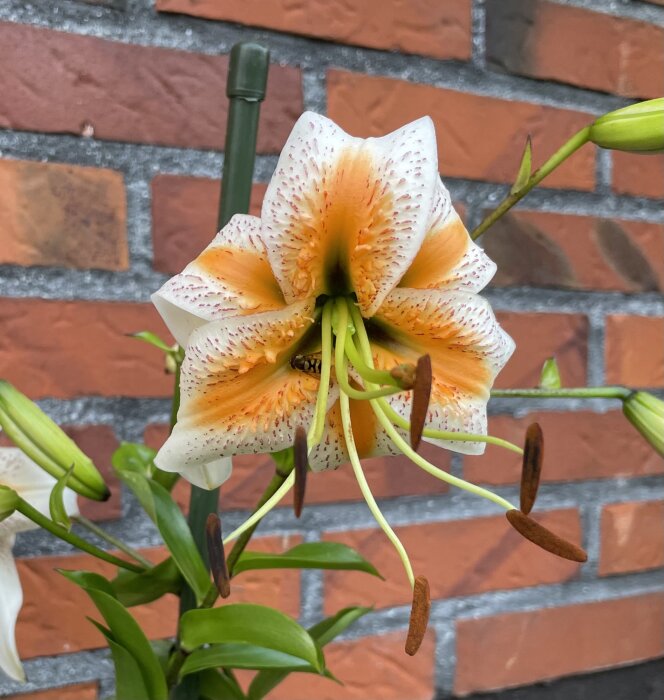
column 311, row 364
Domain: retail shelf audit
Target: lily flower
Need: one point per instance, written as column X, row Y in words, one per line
column 315, row 315
column 30, row 482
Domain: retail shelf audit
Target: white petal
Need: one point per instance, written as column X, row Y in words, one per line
column 343, row 214
column 205, row 476
column 448, row 258
column 11, row 599
column 239, row 394
column 33, row 484
column 231, row 277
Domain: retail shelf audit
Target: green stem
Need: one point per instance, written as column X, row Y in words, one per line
column 47, row 524
column 573, row 145
column 243, row 540
column 119, row 544
column 594, row 392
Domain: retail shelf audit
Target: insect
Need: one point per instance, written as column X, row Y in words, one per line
column 311, row 364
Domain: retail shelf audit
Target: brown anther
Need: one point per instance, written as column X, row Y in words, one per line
column 405, row 375
column 544, row 538
column 419, row 615
column 533, row 454
column 301, row 468
column 217, row 556
column 421, row 398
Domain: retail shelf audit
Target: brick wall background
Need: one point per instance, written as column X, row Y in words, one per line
column 111, row 123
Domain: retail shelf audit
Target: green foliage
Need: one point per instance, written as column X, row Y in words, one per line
column 310, row 555
column 56, row 503
column 140, row 588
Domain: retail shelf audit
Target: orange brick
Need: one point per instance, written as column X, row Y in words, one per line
column 56, row 82
column 576, row 252
column 639, row 175
column 184, row 218
column 577, row 445
column 427, row 27
column 371, row 667
column 459, row 558
column 62, row 215
column 520, row 648
column 635, row 351
column 372, row 106
column 539, row 336
column 600, row 51
column 52, row 620
column 72, row 348
column 632, row 537
column 389, row 477
column 81, row 691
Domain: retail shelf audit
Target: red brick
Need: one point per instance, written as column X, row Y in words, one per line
column 520, row 648
column 56, row 82
column 389, row 477
column 62, row 215
column 370, row 667
column 53, row 617
column 639, row 175
column 635, row 351
column 632, row 537
column 81, row 691
column 600, row 51
column 459, row 558
column 539, row 336
column 577, row 445
column 576, row 252
column 372, row 106
column 184, row 218
column 73, row 348
column 427, row 27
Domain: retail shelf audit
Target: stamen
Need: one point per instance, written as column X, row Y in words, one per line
column 216, row 555
column 318, row 426
column 344, row 402
column 421, row 397
column 301, row 469
column 405, row 374
column 377, row 376
column 544, row 538
column 533, row 454
column 419, row 615
column 264, row 509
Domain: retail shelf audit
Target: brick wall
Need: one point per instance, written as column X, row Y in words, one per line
column 111, row 119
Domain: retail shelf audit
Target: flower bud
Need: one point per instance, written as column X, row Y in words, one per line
column 638, row 128
column 30, row 429
column 646, row 413
column 8, row 502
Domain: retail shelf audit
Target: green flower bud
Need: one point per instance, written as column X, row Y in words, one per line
column 646, row 413
column 638, row 128
column 8, row 501
column 30, row 429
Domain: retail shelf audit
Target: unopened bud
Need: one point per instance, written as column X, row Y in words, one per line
column 646, row 413
column 8, row 501
column 30, row 429
column 638, row 128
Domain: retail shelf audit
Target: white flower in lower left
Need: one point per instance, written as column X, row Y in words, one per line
column 34, row 485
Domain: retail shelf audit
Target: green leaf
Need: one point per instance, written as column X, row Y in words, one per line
column 152, row 339
column 323, row 633
column 56, row 504
column 125, row 630
column 129, row 683
column 171, row 523
column 134, row 457
column 251, row 624
column 310, row 555
column 329, row 628
column 550, row 376
column 246, row 656
column 525, row 168
column 217, row 686
column 136, row 589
